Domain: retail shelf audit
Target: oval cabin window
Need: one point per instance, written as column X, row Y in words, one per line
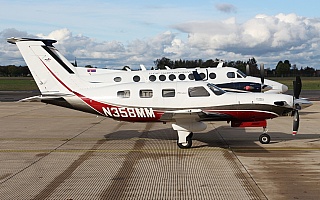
column 172, row 77
column 117, row 79
column 152, row 78
column 212, row 75
column 182, row 77
column 162, row 77
column 136, row 78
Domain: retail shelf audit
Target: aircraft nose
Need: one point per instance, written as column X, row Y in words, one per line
column 284, row 88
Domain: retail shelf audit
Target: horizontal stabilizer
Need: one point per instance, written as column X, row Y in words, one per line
column 39, row 98
column 47, row 42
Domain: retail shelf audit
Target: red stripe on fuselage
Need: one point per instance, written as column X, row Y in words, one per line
column 116, row 112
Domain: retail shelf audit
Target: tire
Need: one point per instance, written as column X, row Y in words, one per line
column 264, row 138
column 188, row 144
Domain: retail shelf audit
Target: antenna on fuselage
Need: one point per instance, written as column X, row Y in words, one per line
column 75, row 62
column 143, row 68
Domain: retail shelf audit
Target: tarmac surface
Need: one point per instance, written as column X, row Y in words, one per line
column 47, row 152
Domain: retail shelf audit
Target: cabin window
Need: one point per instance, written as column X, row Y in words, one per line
column 117, row 79
column 231, row 75
column 198, row 92
column 168, row 93
column 123, row 94
column 191, row 76
column 202, row 76
column 146, row 93
column 152, row 78
column 212, row 75
column 182, row 77
column 162, row 77
column 172, row 77
column 136, row 78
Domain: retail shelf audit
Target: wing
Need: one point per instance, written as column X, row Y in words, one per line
column 194, row 115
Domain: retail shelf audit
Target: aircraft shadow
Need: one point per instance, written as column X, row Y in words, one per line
column 225, row 137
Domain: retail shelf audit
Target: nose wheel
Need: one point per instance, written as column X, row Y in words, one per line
column 264, row 137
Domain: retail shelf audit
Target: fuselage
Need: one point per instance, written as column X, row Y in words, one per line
column 227, row 78
column 150, row 101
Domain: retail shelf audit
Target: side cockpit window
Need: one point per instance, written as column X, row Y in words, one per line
column 198, row 92
column 231, row 75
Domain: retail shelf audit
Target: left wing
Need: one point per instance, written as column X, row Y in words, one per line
column 194, row 115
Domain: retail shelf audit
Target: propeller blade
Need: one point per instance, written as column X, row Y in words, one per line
column 262, row 73
column 248, row 69
column 295, row 122
column 297, row 85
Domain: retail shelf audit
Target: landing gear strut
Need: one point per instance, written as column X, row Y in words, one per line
column 187, row 144
column 264, row 137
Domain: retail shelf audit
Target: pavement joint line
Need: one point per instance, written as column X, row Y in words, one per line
column 149, row 150
column 101, row 150
column 74, row 139
column 49, row 152
column 242, row 168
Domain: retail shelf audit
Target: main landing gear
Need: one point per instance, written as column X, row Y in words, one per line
column 185, row 131
column 187, row 144
column 264, row 137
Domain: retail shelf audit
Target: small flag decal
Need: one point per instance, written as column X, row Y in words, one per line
column 91, row 70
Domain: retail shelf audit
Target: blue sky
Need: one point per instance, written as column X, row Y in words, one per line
column 123, row 32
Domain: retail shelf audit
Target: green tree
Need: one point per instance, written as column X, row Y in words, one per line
column 161, row 63
column 12, row 70
column 283, row 68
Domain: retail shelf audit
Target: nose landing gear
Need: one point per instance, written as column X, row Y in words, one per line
column 264, row 137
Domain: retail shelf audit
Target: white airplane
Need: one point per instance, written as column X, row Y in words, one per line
column 227, row 78
column 185, row 104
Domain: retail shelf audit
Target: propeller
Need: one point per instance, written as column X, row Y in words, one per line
column 264, row 87
column 262, row 73
column 297, row 85
column 248, row 69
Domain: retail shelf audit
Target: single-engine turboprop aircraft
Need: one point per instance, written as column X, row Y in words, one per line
column 187, row 105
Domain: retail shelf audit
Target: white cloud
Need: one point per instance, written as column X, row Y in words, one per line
column 262, row 36
column 267, row 38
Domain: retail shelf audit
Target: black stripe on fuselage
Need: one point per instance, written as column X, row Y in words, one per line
column 256, row 87
column 58, row 59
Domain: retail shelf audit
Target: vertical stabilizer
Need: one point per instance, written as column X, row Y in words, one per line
column 53, row 73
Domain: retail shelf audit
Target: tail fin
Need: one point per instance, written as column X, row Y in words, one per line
column 53, row 73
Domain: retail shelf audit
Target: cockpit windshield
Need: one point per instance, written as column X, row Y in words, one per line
column 216, row 90
column 241, row 73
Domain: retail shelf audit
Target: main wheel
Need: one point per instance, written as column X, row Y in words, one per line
column 264, row 138
column 188, row 144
